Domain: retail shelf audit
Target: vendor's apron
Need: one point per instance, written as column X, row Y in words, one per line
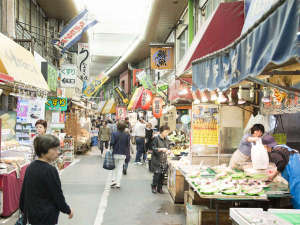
column 292, row 174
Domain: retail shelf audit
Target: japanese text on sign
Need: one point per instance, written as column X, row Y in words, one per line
column 56, row 104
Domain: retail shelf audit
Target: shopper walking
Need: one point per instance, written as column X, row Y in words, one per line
column 120, row 143
column 148, row 145
column 160, row 149
column 139, row 133
column 41, row 127
column 42, row 198
column 104, row 137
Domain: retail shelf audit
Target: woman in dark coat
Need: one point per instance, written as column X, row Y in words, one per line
column 160, row 149
column 42, row 198
column 120, row 143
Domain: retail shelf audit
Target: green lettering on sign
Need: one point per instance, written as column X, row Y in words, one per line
column 52, row 78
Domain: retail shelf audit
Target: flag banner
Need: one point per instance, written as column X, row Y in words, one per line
column 83, row 61
column 74, row 30
column 95, row 85
column 122, row 95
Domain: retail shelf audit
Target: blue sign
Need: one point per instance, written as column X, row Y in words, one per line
column 275, row 41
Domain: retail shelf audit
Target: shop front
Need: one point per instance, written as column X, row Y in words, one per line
column 22, row 103
column 253, row 80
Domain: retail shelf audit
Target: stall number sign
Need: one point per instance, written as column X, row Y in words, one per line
column 57, row 104
column 68, row 75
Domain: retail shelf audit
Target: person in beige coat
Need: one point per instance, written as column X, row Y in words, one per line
column 104, row 137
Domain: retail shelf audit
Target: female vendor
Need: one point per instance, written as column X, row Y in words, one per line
column 287, row 161
column 243, row 153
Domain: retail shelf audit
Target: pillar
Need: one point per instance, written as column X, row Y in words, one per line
column 191, row 20
column 8, row 18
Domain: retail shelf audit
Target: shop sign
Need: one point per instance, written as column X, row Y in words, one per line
column 121, row 113
column 157, row 107
column 146, row 99
column 68, row 75
column 145, row 80
column 120, row 92
column 52, row 78
column 162, row 58
column 169, row 118
column 57, row 104
column 95, row 85
column 84, row 61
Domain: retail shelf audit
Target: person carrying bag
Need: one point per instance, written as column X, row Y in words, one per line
column 109, row 161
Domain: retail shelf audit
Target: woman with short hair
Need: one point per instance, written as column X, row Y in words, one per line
column 42, row 198
column 41, row 127
column 120, row 143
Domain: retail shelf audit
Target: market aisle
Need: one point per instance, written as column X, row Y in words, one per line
column 134, row 204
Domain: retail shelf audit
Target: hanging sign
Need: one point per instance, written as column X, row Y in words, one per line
column 121, row 113
column 50, row 74
column 146, row 99
column 68, row 74
column 157, row 107
column 84, row 60
column 162, row 58
column 57, row 104
column 122, row 95
column 95, row 85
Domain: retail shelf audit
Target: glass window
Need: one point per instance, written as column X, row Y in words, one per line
column 182, row 44
column 22, row 11
column 33, row 20
column 27, row 14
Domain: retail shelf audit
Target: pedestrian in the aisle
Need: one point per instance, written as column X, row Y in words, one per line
column 104, row 137
column 149, row 137
column 41, row 198
column 120, row 143
column 160, row 149
column 139, row 133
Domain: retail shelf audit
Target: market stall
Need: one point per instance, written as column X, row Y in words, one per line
column 22, row 103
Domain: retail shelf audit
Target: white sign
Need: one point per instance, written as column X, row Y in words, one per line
column 68, row 75
column 84, row 60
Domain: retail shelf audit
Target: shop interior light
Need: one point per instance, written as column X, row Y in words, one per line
column 252, row 92
column 240, row 96
column 266, row 95
column 222, row 98
column 214, row 96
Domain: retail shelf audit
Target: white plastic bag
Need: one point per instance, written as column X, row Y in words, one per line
column 259, row 156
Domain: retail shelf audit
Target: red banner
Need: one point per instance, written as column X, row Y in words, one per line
column 157, row 107
column 121, row 113
column 147, row 97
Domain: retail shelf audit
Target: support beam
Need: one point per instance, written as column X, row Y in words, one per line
column 277, row 72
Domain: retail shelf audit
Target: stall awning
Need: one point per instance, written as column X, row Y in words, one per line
column 272, row 42
column 220, row 30
column 110, row 107
column 79, row 104
column 136, row 100
column 20, row 64
column 101, row 106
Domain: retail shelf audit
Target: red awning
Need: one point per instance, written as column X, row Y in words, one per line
column 225, row 27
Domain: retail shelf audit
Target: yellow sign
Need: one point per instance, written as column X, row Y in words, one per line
column 162, row 58
column 134, row 98
column 94, row 86
column 110, row 107
column 20, row 64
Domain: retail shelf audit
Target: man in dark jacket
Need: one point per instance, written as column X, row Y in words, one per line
column 160, row 149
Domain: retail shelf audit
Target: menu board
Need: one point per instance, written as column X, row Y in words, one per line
column 205, row 130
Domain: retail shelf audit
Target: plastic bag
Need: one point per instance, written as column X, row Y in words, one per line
column 268, row 121
column 109, row 162
column 259, row 156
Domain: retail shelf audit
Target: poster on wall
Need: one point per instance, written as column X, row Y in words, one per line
column 30, row 110
column 205, row 125
column 169, row 118
column 84, row 61
column 8, row 135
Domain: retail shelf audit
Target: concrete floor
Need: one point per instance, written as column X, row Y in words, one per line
column 134, row 204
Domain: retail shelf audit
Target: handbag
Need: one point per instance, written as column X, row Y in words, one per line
column 109, row 161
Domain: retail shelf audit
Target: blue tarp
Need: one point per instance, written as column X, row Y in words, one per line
column 275, row 40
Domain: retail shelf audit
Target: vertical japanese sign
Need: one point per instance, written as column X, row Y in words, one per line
column 52, row 78
column 57, row 104
column 121, row 113
column 94, row 86
column 162, row 58
column 84, row 60
column 68, row 74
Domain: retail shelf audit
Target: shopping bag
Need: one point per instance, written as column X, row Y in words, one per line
column 259, row 156
column 279, row 134
column 109, row 162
